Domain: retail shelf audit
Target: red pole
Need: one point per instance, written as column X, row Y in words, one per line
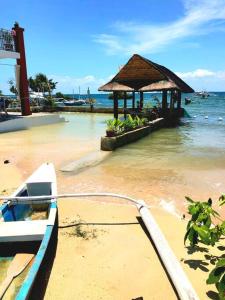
column 23, row 85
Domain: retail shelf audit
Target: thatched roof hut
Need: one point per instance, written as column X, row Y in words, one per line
column 143, row 75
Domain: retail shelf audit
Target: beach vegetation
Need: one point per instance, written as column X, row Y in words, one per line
column 59, row 95
column 120, row 95
column 49, row 103
column 92, row 102
column 12, row 87
column 206, row 227
column 41, row 83
column 116, row 126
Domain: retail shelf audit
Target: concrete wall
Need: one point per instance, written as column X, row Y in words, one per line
column 21, row 123
column 111, row 143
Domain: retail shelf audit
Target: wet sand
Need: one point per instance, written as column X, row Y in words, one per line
column 116, row 261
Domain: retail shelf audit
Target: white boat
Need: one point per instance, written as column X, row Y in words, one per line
column 202, row 94
column 74, row 102
column 28, row 230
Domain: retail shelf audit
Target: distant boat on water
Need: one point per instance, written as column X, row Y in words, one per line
column 187, row 101
column 61, row 102
column 202, row 94
column 74, row 102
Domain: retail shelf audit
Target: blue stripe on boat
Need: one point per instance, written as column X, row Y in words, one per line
column 29, row 281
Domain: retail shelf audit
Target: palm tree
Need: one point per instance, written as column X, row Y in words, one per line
column 41, row 83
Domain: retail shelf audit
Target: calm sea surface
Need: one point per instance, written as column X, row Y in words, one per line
column 161, row 168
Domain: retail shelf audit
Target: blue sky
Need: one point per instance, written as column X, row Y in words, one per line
column 83, row 42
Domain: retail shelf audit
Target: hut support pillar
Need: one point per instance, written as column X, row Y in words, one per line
column 133, row 101
column 164, row 101
column 125, row 105
column 171, row 101
column 141, row 100
column 115, row 105
column 178, row 99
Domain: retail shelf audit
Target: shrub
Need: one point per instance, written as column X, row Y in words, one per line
column 129, row 124
column 114, row 126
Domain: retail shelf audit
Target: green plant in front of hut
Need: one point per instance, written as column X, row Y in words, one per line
column 114, row 127
column 129, row 124
column 140, row 122
column 201, row 229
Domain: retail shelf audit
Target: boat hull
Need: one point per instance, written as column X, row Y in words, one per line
column 38, row 237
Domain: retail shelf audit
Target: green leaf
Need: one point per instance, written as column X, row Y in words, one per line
column 221, row 287
column 215, row 275
column 193, row 209
column 221, row 263
column 193, row 237
column 208, row 222
column 189, row 199
column 203, row 232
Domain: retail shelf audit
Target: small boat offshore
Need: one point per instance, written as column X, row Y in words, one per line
column 28, row 237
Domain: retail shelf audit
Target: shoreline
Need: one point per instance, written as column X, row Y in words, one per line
column 143, row 170
column 101, row 270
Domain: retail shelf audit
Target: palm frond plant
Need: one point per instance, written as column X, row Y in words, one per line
column 202, row 229
column 114, row 127
column 129, row 124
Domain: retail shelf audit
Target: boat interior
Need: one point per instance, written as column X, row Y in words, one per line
column 22, row 228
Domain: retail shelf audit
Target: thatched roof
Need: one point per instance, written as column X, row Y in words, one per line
column 141, row 74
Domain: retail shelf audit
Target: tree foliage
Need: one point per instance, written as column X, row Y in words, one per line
column 12, row 87
column 201, row 229
column 120, row 95
column 41, row 83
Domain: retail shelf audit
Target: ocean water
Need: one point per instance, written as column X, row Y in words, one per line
column 161, row 168
column 175, row 162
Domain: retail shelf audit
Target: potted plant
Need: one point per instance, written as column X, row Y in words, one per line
column 114, row 127
column 129, row 124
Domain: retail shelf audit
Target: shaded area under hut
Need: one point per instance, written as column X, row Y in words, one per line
column 141, row 75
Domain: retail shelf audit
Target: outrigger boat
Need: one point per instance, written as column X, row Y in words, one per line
column 28, row 237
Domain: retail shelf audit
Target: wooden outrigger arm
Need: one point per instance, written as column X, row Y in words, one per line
column 177, row 275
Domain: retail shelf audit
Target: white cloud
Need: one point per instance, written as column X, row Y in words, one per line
column 199, row 73
column 201, row 79
column 200, row 17
column 66, row 84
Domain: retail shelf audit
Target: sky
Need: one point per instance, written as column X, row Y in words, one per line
column 85, row 42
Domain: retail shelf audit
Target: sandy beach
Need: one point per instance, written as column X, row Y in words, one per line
column 111, row 258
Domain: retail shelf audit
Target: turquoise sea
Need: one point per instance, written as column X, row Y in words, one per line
column 161, row 168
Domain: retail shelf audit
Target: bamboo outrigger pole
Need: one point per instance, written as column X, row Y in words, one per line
column 178, row 277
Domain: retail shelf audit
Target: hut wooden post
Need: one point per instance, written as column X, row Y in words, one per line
column 178, row 99
column 115, row 105
column 133, row 101
column 141, row 100
column 171, row 101
column 125, row 105
column 164, row 101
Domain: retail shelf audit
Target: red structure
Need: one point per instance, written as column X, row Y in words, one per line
column 23, row 81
